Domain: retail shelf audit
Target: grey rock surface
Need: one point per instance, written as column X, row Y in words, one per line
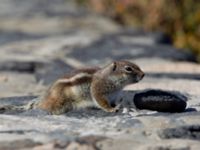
column 41, row 40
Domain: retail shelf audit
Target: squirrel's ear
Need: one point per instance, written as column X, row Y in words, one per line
column 114, row 65
column 109, row 68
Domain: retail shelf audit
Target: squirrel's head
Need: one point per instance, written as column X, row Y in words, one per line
column 123, row 72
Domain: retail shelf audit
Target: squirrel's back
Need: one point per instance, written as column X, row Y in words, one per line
column 69, row 92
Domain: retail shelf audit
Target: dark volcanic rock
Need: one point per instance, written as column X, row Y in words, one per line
column 160, row 101
column 185, row 132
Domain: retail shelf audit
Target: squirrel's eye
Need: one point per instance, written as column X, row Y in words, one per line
column 128, row 69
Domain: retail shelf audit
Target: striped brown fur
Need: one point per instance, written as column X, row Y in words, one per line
column 88, row 87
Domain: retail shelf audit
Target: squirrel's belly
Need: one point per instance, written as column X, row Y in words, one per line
column 82, row 96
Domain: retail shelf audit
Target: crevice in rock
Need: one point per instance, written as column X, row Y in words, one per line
column 183, row 132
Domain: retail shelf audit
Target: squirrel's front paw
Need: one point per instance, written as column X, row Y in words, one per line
column 115, row 109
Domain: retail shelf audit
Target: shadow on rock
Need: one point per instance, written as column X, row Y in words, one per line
column 183, row 132
column 91, row 112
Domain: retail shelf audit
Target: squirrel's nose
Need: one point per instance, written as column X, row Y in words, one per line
column 140, row 76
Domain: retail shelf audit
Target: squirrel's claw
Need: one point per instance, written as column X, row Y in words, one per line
column 115, row 109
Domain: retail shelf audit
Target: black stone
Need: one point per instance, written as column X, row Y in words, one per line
column 184, row 132
column 161, row 101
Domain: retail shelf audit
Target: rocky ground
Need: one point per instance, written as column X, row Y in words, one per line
column 41, row 40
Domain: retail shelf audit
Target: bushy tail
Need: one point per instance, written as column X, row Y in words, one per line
column 14, row 108
column 9, row 108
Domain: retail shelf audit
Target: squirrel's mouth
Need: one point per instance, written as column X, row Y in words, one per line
column 140, row 77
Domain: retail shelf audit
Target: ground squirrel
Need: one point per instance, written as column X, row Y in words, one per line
column 88, row 87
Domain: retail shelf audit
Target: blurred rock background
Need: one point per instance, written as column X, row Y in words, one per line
column 178, row 19
column 41, row 40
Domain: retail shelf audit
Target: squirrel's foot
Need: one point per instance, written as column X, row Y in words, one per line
column 115, row 109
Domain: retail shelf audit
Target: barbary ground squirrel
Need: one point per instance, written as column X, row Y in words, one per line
column 88, row 87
